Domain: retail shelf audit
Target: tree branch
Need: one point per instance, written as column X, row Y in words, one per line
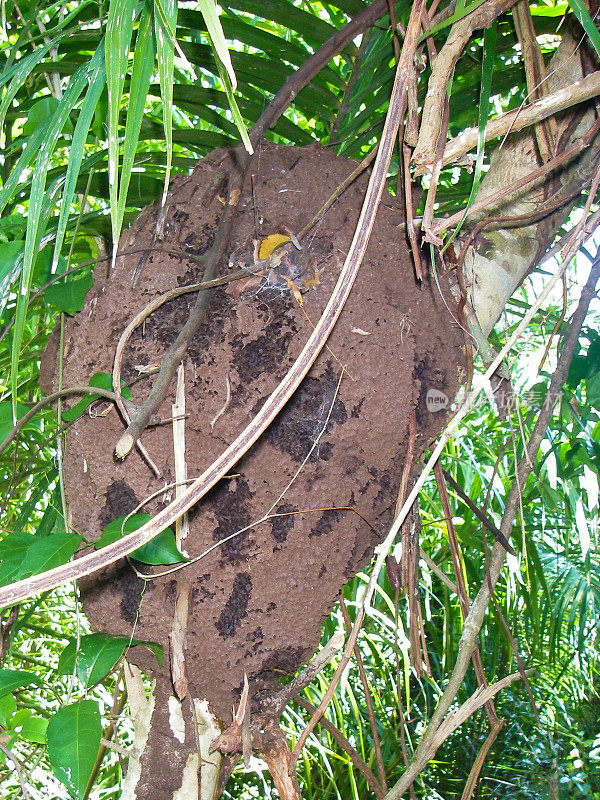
column 441, row 74
column 524, row 117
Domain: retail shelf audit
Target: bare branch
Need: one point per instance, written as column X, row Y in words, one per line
column 441, row 73
column 524, row 117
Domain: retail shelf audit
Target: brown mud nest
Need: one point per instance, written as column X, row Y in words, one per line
column 258, row 601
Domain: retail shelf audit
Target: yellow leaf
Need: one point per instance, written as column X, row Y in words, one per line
column 269, row 243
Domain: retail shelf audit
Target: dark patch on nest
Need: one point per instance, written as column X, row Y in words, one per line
column 296, row 429
column 281, row 526
column 230, row 505
column 236, row 607
column 120, row 500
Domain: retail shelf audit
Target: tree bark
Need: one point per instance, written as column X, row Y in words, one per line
column 501, row 258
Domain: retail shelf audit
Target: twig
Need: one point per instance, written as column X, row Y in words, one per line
column 517, row 120
column 179, row 624
column 340, row 190
column 458, row 573
column 327, row 697
column 368, row 700
column 18, row 769
column 345, row 745
column 274, row 705
column 479, row 514
column 532, row 177
column 495, row 728
column 108, row 733
column 62, row 393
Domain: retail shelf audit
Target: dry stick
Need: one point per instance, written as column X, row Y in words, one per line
column 396, row 111
column 177, row 350
column 28, row 587
column 345, row 745
column 179, row 624
column 488, row 524
column 462, row 591
column 368, row 700
column 509, row 635
column 311, row 67
column 327, row 697
column 472, row 625
column 18, row 769
column 535, row 74
column 513, row 121
column 62, row 393
column 559, row 161
column 441, row 74
column 496, row 726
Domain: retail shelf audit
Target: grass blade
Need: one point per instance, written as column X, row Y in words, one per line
column 119, row 29
column 164, row 36
column 223, row 59
column 51, row 133
column 97, row 80
column 143, row 62
column 587, row 23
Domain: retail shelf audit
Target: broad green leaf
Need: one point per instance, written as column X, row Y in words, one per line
column 12, row 679
column 97, row 656
column 119, row 29
column 160, row 550
column 72, row 741
column 34, row 729
column 593, row 390
column 8, row 706
column 69, row 295
column 13, row 549
column 39, row 114
column 48, row 552
column 100, row 380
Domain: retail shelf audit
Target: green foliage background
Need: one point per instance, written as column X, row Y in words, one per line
column 85, row 98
